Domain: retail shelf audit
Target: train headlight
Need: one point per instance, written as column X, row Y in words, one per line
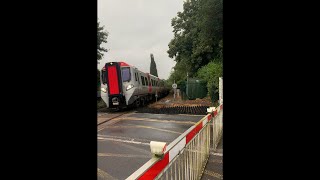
column 104, row 90
column 129, row 87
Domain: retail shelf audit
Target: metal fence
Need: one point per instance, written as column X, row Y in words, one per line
column 193, row 88
column 186, row 157
column 217, row 126
column 189, row 164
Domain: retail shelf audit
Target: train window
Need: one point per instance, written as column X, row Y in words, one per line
column 147, row 83
column 135, row 75
column 126, row 75
column 142, row 80
column 104, row 75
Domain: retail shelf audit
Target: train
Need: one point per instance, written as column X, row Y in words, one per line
column 123, row 86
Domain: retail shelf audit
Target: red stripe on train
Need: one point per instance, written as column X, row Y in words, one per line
column 113, row 80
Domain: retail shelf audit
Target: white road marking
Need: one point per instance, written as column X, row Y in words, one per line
column 124, row 141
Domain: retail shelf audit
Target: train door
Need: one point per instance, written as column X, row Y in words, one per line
column 149, row 83
column 137, row 81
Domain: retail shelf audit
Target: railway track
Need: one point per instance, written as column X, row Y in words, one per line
column 197, row 110
column 113, row 117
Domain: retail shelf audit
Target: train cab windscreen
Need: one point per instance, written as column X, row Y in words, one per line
column 126, row 75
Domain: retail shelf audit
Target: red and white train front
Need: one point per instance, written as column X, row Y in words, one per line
column 112, row 91
column 123, row 85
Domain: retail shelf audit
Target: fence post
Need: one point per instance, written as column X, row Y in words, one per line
column 220, row 90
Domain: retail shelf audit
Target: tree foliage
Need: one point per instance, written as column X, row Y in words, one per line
column 153, row 66
column 197, row 33
column 211, row 73
column 198, row 39
column 101, row 38
column 179, row 72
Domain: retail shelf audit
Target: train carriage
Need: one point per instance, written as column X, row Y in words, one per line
column 123, row 85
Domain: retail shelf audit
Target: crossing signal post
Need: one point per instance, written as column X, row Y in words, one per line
column 174, row 86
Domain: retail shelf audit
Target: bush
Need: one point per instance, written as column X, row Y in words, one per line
column 211, row 73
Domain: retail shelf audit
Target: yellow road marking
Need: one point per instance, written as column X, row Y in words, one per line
column 133, row 148
column 123, row 141
column 157, row 120
column 122, row 155
column 197, row 115
column 109, row 123
column 139, row 126
column 101, row 136
column 113, row 120
column 126, row 116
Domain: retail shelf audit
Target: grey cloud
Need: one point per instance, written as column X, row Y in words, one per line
column 136, row 29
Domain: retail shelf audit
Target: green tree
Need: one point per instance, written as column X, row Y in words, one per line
column 198, row 40
column 153, row 66
column 185, row 32
column 179, row 72
column 208, row 45
column 211, row 73
column 101, row 38
column 197, row 34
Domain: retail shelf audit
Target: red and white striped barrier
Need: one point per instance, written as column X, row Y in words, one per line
column 155, row 166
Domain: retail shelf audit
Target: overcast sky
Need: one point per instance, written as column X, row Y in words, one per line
column 136, row 29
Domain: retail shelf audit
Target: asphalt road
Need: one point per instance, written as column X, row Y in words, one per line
column 123, row 141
